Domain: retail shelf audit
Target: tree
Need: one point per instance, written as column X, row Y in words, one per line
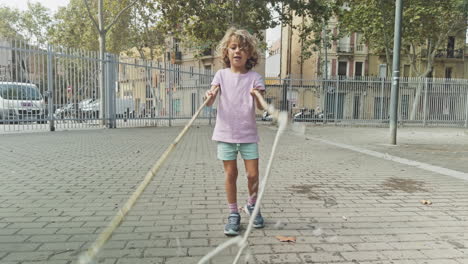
column 426, row 26
column 312, row 28
column 373, row 19
column 73, row 29
column 203, row 23
column 103, row 29
column 145, row 31
column 35, row 22
column 9, row 23
column 31, row 24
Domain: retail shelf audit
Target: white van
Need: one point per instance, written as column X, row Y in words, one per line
column 20, row 102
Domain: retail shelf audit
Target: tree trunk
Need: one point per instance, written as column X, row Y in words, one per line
column 102, row 30
column 430, row 62
column 102, row 82
column 417, row 95
column 102, row 51
column 388, row 59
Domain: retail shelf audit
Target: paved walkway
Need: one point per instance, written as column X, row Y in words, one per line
column 59, row 190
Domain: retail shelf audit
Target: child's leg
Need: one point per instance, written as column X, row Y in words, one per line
column 251, row 167
column 230, row 169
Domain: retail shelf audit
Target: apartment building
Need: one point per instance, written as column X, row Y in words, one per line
column 349, row 58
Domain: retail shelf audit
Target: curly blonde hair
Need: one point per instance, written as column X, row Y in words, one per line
column 246, row 40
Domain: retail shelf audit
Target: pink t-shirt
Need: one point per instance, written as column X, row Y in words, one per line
column 235, row 121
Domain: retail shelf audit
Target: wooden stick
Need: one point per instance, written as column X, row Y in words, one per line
column 89, row 255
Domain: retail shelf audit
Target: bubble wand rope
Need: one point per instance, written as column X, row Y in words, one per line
column 242, row 242
column 104, row 236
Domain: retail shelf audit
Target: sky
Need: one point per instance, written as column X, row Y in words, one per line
column 22, row 4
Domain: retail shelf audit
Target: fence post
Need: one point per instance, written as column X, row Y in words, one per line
column 325, row 101
column 171, row 82
column 290, row 93
column 210, row 108
column 110, row 81
column 382, row 98
column 336, row 98
column 50, row 89
column 425, row 102
column 466, row 109
column 284, row 94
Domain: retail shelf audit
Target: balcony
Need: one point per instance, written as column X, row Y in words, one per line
column 344, row 48
column 206, row 54
column 360, row 48
column 449, row 53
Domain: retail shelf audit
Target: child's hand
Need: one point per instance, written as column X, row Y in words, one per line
column 252, row 91
column 212, row 92
column 257, row 99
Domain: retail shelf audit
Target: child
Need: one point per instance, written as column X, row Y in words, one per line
column 236, row 129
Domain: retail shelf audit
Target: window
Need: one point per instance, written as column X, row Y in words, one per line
column 207, row 69
column 406, row 70
column 175, row 106
column 19, row 92
column 448, row 72
column 358, row 69
column 383, row 70
column 342, row 68
column 359, row 45
column 450, row 47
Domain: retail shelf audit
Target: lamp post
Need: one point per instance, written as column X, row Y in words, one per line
column 396, row 73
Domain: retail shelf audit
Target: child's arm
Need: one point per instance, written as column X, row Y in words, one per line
column 257, row 100
column 211, row 94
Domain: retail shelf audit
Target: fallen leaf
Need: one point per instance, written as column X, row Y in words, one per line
column 286, row 239
column 426, row 202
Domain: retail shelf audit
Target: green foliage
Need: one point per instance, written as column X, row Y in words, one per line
column 374, row 19
column 73, row 28
column 425, row 24
column 145, row 31
column 202, row 23
column 31, row 24
column 315, row 15
column 35, row 22
column 9, row 23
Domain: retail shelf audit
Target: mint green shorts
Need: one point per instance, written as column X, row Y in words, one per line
column 228, row 151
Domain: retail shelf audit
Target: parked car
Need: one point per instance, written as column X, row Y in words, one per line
column 21, row 102
column 73, row 110
column 124, row 108
column 305, row 115
column 66, row 111
column 90, row 107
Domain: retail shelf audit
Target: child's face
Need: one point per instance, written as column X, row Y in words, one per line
column 237, row 55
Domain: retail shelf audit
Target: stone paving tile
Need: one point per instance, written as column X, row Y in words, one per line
column 59, row 190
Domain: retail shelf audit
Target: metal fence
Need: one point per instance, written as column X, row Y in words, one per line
column 366, row 100
column 53, row 88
